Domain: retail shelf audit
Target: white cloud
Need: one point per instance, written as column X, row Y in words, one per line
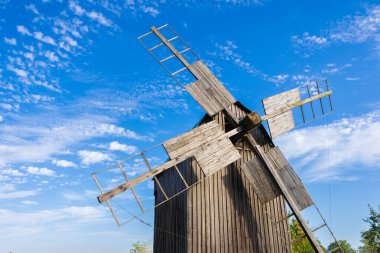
column 11, row 172
column 352, row 78
column 341, row 147
column 64, row 163
column 33, row 139
column 29, row 202
column 1, row 118
column 6, row 106
column 122, row 147
column 32, row 8
column 10, row 41
column 23, row 30
column 51, row 56
column 41, row 37
column 44, row 221
column 90, row 157
column 73, row 196
column 310, row 41
column 99, row 18
column 154, row 12
column 17, row 71
column 39, row 171
column 227, row 51
column 352, row 29
column 17, row 194
column 74, row 7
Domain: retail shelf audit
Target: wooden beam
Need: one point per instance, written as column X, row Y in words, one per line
column 170, row 46
column 294, row 105
column 292, row 203
column 123, row 187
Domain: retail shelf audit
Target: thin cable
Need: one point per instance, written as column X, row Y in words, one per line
column 329, row 168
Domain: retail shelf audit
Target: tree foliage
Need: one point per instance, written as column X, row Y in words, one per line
column 347, row 248
column 140, row 247
column 300, row 242
column 371, row 237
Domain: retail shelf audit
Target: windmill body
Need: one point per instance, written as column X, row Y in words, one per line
column 222, row 213
column 226, row 186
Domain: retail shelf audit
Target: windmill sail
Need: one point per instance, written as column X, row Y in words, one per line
column 207, row 90
column 279, row 108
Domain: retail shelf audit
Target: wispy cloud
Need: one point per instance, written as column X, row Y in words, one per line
column 352, row 29
column 38, row 142
column 227, row 51
column 329, row 150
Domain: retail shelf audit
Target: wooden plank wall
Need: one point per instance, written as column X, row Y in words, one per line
column 222, row 213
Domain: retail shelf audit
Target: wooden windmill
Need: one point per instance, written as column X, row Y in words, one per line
column 226, row 185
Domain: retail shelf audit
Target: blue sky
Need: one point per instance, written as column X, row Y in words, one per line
column 78, row 92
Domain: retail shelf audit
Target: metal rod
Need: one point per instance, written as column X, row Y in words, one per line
column 171, row 56
column 113, row 213
column 144, row 35
column 97, row 183
column 311, row 102
column 179, row 71
column 303, row 116
column 156, row 46
column 132, row 190
column 336, row 241
column 327, row 87
column 167, row 70
column 184, row 43
column 159, row 28
column 154, row 177
column 320, row 100
column 317, row 228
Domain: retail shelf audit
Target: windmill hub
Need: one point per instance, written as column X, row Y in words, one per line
column 251, row 120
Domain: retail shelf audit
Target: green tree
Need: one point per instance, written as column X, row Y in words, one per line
column 300, row 242
column 140, row 247
column 344, row 244
column 371, row 237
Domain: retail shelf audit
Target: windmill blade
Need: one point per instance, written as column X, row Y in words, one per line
column 278, row 108
column 207, row 90
column 208, row 144
column 286, row 183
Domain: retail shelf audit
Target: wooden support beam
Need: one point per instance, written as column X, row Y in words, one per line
column 292, row 203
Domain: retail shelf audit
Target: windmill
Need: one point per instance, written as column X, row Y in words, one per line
column 225, row 186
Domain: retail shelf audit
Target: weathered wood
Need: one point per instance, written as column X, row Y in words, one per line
column 261, row 180
column 125, row 186
column 216, row 154
column 284, row 122
column 290, row 179
column 223, row 212
column 207, row 90
column 289, row 198
column 278, row 110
